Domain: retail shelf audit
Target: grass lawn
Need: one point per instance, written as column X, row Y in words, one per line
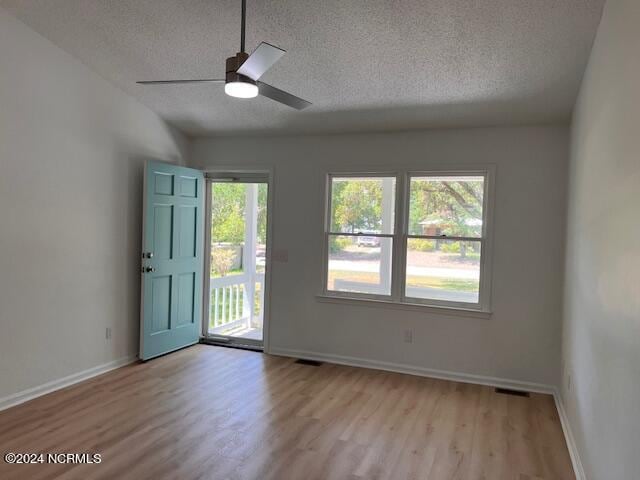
column 450, row 284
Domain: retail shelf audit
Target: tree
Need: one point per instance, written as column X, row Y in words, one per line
column 455, row 206
column 227, row 213
column 357, row 205
column 228, row 210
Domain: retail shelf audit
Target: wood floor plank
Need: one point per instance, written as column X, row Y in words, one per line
column 218, row 413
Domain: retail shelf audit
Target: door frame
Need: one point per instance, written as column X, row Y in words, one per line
column 238, row 174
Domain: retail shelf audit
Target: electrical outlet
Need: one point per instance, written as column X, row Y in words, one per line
column 107, row 333
column 408, row 336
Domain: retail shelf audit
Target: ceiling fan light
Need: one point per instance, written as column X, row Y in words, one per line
column 241, row 89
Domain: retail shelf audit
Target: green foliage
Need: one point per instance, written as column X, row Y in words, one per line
column 450, row 247
column 356, row 205
column 228, row 209
column 262, row 213
column 465, row 249
column 227, row 212
column 455, row 206
column 421, row 245
column 337, row 244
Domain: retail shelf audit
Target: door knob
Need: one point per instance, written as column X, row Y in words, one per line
column 149, row 269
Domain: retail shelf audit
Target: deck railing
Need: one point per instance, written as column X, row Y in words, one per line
column 232, row 305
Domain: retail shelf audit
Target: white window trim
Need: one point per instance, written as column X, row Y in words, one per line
column 397, row 298
column 327, row 232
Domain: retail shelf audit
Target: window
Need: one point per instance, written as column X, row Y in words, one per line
column 361, row 235
column 428, row 247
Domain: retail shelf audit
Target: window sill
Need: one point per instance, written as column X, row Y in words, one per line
column 416, row 307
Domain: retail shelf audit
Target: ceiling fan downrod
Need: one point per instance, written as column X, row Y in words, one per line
column 236, row 84
column 243, row 24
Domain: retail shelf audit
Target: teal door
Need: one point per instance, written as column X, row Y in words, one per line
column 171, row 258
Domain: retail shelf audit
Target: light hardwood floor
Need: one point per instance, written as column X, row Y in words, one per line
column 219, row 413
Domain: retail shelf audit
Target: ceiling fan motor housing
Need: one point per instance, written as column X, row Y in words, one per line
column 233, row 64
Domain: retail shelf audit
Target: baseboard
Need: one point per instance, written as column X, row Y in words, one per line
column 34, row 392
column 414, row 370
column 569, row 438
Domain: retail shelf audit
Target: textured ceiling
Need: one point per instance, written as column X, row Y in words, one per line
column 365, row 64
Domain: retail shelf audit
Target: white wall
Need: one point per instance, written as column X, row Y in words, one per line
column 71, row 156
column 601, row 341
column 521, row 341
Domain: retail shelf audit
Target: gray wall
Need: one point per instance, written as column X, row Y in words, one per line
column 71, row 157
column 521, row 341
column 601, row 340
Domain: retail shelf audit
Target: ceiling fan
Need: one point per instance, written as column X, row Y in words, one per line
column 243, row 72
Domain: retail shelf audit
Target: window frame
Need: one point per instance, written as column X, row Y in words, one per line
column 328, row 233
column 400, row 237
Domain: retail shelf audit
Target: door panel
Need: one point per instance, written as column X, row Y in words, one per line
column 172, row 258
column 161, row 304
column 186, row 299
column 187, row 232
column 162, row 231
column 188, row 186
column 163, row 183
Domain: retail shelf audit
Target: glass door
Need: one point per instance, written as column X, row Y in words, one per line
column 237, row 216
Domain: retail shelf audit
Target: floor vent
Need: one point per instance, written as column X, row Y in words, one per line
column 508, row 391
column 312, row 363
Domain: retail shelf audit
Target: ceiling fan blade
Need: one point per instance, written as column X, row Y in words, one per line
column 281, row 96
column 178, row 82
column 261, row 60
